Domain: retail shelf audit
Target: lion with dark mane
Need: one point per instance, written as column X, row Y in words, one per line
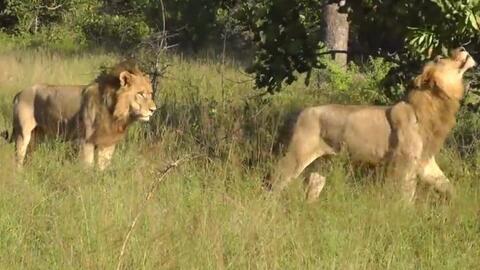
column 406, row 136
column 96, row 115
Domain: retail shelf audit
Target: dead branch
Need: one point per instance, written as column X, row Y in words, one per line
column 159, row 179
column 51, row 8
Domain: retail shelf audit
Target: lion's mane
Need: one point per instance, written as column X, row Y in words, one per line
column 103, row 98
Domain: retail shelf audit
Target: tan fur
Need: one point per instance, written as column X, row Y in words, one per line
column 405, row 136
column 436, row 107
column 97, row 115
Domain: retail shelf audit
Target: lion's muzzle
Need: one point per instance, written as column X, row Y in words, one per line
column 145, row 117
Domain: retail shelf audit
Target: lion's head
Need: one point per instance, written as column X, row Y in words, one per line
column 127, row 91
column 436, row 98
column 445, row 75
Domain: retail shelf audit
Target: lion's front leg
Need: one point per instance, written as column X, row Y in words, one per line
column 403, row 170
column 409, row 184
column 105, row 156
column 315, row 185
column 431, row 174
column 407, row 179
column 87, row 153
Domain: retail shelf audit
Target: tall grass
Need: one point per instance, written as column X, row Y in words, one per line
column 212, row 213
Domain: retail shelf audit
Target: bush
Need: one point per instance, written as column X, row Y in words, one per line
column 115, row 31
column 356, row 84
column 6, row 42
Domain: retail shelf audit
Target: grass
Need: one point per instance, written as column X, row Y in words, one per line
column 211, row 212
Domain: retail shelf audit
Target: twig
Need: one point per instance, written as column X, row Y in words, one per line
column 149, row 195
column 223, row 67
column 163, row 23
column 51, row 8
column 240, row 82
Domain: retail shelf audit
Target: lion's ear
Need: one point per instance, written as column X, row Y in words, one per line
column 418, row 82
column 422, row 80
column 437, row 58
column 426, row 78
column 125, row 78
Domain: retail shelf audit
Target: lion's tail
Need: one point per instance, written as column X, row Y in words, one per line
column 5, row 134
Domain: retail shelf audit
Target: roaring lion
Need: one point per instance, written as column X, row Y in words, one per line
column 406, row 136
column 95, row 115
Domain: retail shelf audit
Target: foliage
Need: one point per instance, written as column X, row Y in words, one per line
column 115, row 31
column 428, row 27
column 111, row 23
column 287, row 37
column 284, row 45
column 286, row 34
column 461, row 26
column 33, row 15
column 357, row 84
column 196, row 19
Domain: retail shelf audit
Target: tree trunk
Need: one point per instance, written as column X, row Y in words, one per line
column 336, row 31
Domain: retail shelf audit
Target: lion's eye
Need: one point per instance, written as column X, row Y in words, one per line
column 139, row 95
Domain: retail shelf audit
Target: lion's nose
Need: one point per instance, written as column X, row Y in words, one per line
column 153, row 109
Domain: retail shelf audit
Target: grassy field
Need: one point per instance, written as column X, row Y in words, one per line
column 211, row 211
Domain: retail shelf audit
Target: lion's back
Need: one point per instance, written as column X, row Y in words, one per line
column 50, row 106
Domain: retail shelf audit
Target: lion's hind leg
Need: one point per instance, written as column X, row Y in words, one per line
column 306, row 145
column 301, row 153
column 431, row 174
column 23, row 125
column 21, row 144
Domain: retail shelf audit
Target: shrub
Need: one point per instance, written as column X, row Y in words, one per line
column 356, row 84
column 115, row 31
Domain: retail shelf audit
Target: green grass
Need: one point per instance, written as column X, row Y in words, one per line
column 211, row 212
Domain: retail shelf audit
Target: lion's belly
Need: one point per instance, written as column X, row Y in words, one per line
column 366, row 135
column 59, row 113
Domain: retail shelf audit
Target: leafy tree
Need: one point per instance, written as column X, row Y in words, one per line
column 7, row 21
column 32, row 15
column 287, row 41
column 427, row 28
column 424, row 27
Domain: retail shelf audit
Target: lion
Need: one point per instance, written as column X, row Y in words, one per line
column 95, row 115
column 405, row 137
